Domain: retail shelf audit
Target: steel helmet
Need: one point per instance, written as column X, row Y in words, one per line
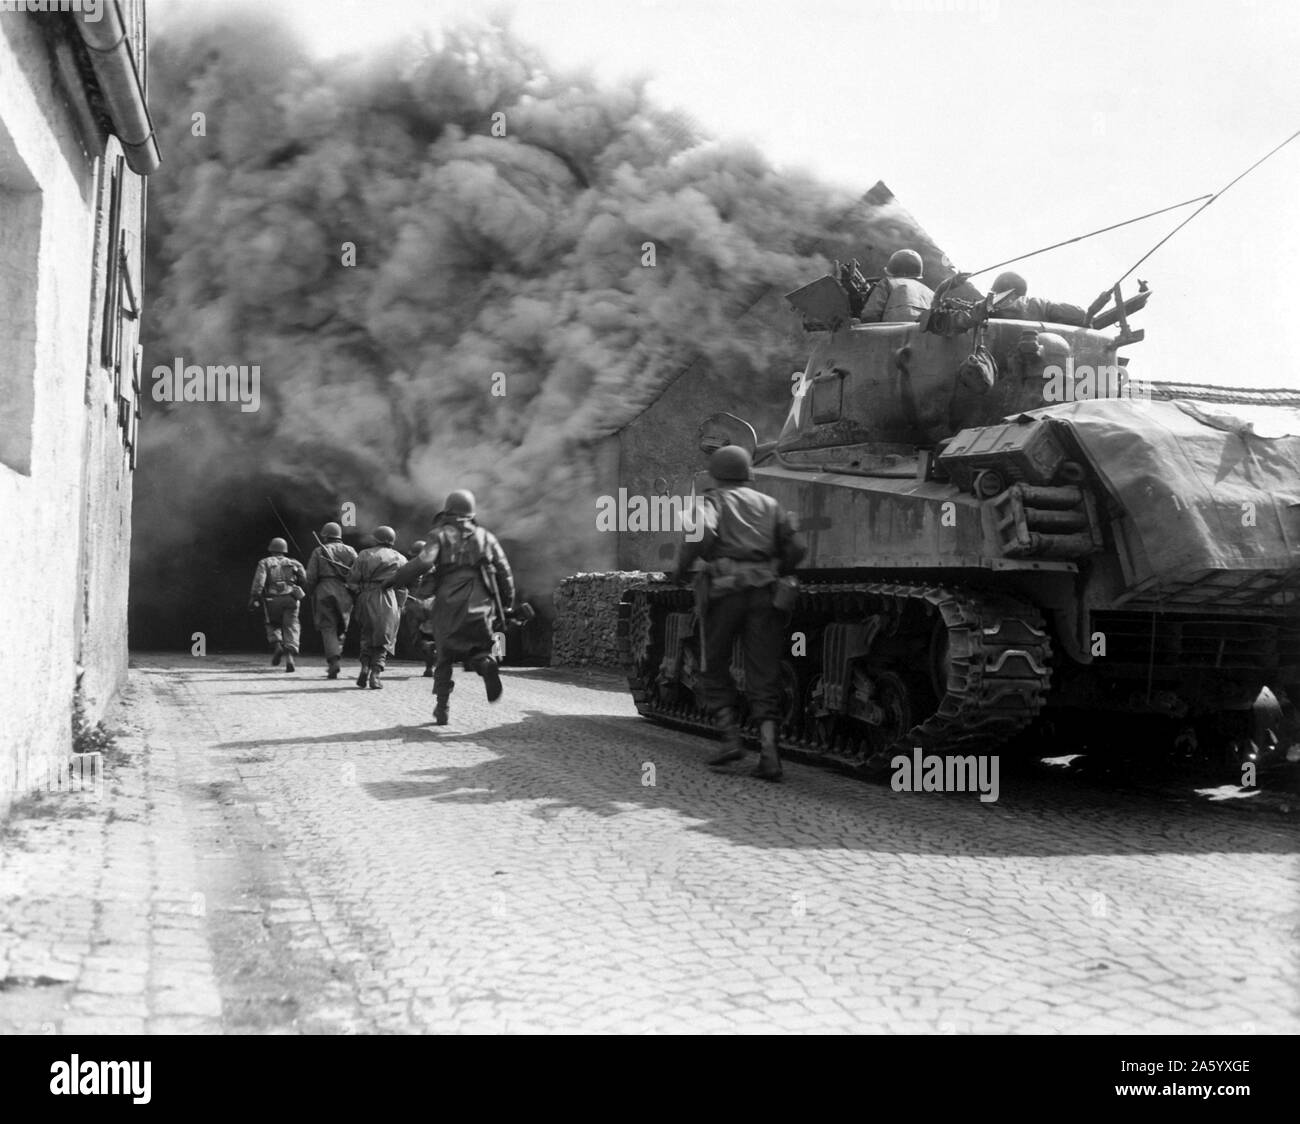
column 331, row 531
column 277, row 546
column 418, row 545
column 905, row 263
column 385, row 535
column 459, row 502
column 731, row 462
column 1010, row 280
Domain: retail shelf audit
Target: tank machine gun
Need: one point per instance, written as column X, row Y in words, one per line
column 1004, row 530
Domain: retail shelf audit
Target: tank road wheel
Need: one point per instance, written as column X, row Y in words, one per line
column 818, row 725
column 883, row 704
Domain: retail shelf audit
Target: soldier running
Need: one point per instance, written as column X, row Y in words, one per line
column 378, row 607
column 277, row 588
column 327, row 576
column 748, row 542
column 471, row 581
column 418, row 612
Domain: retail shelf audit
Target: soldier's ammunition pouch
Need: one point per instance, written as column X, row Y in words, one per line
column 785, row 593
column 728, row 575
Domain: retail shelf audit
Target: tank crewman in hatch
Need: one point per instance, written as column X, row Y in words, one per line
column 327, row 575
column 900, row 296
column 277, row 587
column 378, row 609
column 471, row 582
column 1023, row 307
column 747, row 543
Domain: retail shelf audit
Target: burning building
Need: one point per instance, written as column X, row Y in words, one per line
column 76, row 144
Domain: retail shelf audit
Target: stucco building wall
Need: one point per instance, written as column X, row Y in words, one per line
column 69, row 208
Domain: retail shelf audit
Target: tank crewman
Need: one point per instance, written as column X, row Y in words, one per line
column 466, row 563
column 378, row 609
column 1024, row 307
column 278, row 587
column 327, row 575
column 747, row 543
column 900, row 296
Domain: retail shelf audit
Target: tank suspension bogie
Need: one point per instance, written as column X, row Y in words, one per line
column 872, row 668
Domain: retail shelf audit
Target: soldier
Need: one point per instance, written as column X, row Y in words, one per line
column 378, row 609
column 418, row 612
column 471, row 577
column 277, row 587
column 1024, row 307
column 327, row 575
column 747, row 543
column 900, row 296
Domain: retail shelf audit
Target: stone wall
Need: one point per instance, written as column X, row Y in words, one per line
column 65, row 470
column 586, row 618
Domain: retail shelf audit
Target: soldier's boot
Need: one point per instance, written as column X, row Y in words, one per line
column 364, row 678
column 375, row 673
column 428, row 669
column 487, row 667
column 277, row 653
column 731, row 750
column 333, row 672
column 769, row 757
column 440, row 710
column 289, row 665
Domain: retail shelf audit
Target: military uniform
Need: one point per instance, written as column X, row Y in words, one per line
column 1036, row 308
column 277, row 584
column 1024, row 307
column 378, row 610
column 897, row 300
column 327, row 576
column 747, row 543
column 900, row 296
column 462, row 558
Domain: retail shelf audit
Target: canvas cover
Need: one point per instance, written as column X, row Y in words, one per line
column 1200, row 487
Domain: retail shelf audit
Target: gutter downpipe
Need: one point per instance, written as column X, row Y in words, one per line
column 119, row 80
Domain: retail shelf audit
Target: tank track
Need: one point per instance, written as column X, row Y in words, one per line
column 998, row 666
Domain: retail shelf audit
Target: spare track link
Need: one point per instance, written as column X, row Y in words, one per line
column 998, row 661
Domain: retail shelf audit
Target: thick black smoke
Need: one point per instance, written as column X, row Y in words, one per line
column 475, row 254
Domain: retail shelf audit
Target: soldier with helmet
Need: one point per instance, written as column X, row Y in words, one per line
column 900, row 296
column 471, row 579
column 378, row 610
column 277, row 587
column 747, row 544
column 327, row 576
column 418, row 612
column 1021, row 306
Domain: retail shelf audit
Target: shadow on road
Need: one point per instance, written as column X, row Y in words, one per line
column 597, row 765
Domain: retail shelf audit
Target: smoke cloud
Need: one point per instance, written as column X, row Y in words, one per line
column 482, row 262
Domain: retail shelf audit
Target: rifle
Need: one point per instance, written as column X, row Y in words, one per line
column 520, row 616
column 338, row 566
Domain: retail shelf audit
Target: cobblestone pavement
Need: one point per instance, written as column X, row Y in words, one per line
column 287, row 854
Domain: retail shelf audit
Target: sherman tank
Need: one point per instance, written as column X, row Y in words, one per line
column 1008, row 534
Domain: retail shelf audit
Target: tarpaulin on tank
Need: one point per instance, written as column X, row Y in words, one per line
column 1201, row 492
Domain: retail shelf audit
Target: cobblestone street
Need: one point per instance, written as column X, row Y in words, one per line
column 282, row 853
